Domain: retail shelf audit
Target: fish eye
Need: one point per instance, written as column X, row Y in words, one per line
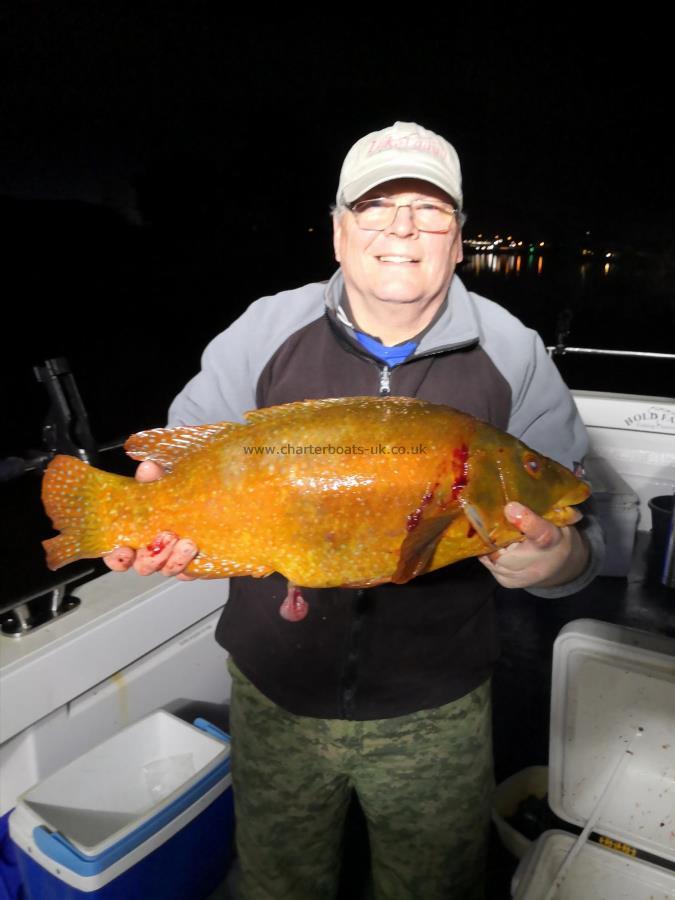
column 532, row 465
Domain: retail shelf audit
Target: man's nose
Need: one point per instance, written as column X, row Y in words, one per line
column 403, row 223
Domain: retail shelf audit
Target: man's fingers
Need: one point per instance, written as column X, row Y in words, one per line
column 496, row 555
column 181, row 554
column 149, row 471
column 120, row 559
column 166, row 554
column 536, row 529
column 507, row 577
column 155, row 556
column 514, row 558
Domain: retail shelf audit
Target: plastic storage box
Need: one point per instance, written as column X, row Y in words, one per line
column 609, row 682
column 147, row 813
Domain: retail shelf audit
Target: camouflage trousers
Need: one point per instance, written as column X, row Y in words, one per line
column 424, row 782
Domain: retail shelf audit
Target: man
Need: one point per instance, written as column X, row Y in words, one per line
column 384, row 690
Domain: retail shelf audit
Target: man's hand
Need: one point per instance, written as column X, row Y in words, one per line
column 549, row 556
column 169, row 554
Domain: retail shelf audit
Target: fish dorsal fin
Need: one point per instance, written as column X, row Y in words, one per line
column 285, row 409
column 419, row 546
column 167, row 446
column 253, row 416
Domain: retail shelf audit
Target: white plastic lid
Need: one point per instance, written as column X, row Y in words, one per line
column 597, row 873
column 608, row 682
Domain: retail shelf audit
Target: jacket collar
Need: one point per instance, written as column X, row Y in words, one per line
column 456, row 327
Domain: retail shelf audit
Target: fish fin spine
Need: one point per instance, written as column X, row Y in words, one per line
column 264, row 414
column 168, row 446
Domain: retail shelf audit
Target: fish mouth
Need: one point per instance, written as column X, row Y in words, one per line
column 577, row 494
column 566, row 515
column 565, row 512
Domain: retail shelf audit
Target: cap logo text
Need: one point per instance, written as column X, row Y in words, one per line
column 409, row 142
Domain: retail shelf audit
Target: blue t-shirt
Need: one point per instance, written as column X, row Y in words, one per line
column 392, row 356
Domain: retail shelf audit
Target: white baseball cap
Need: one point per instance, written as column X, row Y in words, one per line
column 404, row 150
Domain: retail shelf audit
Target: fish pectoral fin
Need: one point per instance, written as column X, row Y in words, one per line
column 418, row 548
column 473, row 514
column 167, row 446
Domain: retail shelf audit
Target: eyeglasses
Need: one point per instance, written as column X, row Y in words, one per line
column 379, row 213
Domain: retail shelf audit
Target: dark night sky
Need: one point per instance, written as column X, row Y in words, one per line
column 224, row 135
column 562, row 118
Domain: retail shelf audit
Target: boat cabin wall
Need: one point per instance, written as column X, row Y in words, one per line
column 635, row 435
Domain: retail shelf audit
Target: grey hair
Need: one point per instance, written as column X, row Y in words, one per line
column 338, row 208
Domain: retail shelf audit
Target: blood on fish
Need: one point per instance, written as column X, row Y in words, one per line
column 158, row 545
column 460, row 456
column 470, row 533
column 413, row 519
column 295, row 607
column 429, row 494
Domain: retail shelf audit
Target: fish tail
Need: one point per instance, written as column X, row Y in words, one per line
column 73, row 493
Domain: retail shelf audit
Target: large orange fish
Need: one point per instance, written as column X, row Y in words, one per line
column 347, row 492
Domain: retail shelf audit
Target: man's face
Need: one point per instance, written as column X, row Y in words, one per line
column 400, row 264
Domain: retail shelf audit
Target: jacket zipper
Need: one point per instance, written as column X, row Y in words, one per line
column 384, row 388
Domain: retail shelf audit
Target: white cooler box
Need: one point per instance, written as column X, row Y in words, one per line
column 147, row 813
column 609, row 682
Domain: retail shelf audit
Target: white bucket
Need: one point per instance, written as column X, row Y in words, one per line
column 532, row 781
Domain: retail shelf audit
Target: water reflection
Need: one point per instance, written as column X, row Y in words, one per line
column 504, row 263
column 612, row 301
column 515, row 264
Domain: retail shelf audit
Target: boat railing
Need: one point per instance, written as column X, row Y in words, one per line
column 563, row 350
